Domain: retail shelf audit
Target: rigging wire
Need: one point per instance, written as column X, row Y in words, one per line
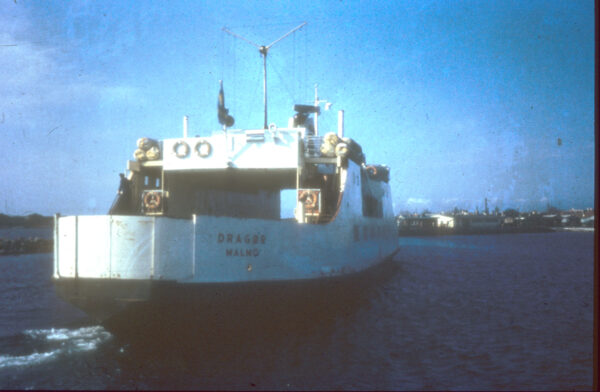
column 270, row 60
column 294, row 79
column 306, row 64
column 222, row 55
column 234, row 77
column 295, row 73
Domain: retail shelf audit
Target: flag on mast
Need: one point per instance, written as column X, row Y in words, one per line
column 224, row 117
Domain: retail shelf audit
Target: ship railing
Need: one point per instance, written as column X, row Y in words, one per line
column 312, row 146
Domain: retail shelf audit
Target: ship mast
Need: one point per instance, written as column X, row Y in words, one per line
column 263, row 50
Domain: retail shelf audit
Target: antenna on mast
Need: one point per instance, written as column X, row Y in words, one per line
column 264, row 49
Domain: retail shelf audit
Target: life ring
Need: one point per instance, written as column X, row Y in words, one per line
column 181, row 149
column 372, row 170
column 152, row 201
column 309, row 198
column 203, row 148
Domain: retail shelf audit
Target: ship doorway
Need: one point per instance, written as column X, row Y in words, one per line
column 287, row 203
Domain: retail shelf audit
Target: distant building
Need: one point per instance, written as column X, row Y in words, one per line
column 509, row 220
column 551, row 220
column 588, row 222
column 570, row 220
column 417, row 225
column 443, row 220
column 425, row 224
column 589, row 212
column 477, row 223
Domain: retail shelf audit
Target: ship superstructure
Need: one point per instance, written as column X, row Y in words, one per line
column 208, row 209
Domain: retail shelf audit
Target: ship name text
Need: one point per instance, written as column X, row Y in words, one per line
column 248, row 239
column 231, row 238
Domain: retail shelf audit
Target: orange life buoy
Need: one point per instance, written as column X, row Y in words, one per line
column 152, row 201
column 372, row 170
column 309, row 198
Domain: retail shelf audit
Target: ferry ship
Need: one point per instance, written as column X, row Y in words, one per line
column 197, row 225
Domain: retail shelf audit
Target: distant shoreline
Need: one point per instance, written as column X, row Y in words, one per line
column 581, row 229
column 447, row 232
column 19, row 246
column 27, row 221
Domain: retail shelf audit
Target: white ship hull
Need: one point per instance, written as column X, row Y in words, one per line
column 216, row 249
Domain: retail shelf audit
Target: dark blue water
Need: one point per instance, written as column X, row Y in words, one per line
column 498, row 312
column 14, row 233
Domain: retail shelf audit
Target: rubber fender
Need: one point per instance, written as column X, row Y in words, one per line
column 139, row 155
column 341, row 150
column 153, row 153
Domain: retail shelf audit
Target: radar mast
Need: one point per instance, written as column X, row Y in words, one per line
column 264, row 49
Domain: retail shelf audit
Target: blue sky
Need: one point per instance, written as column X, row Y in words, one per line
column 464, row 100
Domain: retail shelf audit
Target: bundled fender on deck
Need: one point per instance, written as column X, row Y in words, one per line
column 148, row 150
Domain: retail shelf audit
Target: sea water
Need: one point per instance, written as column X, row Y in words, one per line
column 498, row 312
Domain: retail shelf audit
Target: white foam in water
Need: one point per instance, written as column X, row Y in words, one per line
column 31, row 359
column 70, row 340
column 95, row 333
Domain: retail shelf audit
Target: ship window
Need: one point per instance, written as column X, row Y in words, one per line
column 157, row 183
column 146, row 180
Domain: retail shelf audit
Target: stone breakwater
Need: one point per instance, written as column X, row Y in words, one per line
column 25, row 245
